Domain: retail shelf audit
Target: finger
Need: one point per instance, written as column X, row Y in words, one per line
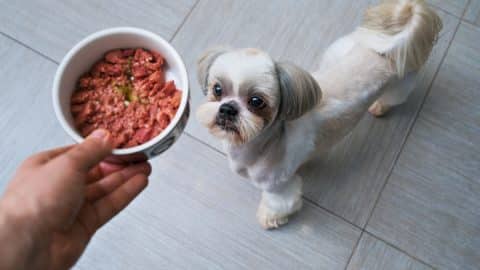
column 103, row 169
column 45, row 156
column 107, row 168
column 120, row 160
column 89, row 153
column 94, row 175
column 88, row 221
column 105, row 186
column 109, row 206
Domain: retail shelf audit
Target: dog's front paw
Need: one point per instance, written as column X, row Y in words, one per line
column 378, row 109
column 268, row 219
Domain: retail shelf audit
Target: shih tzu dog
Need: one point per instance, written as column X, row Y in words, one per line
column 273, row 117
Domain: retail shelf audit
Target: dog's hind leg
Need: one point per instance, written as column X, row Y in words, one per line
column 394, row 93
column 277, row 205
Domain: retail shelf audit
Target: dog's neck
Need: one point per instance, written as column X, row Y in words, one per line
column 269, row 141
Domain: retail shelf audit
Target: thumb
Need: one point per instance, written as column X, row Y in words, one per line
column 86, row 155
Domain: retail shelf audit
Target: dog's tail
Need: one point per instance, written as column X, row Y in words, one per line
column 404, row 31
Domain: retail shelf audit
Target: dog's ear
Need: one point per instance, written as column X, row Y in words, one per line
column 299, row 91
column 205, row 62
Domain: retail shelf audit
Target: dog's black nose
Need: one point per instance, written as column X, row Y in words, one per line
column 228, row 110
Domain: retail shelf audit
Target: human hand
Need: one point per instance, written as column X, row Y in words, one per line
column 58, row 199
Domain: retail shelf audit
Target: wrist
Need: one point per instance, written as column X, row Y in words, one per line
column 17, row 235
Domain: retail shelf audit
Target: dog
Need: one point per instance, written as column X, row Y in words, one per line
column 273, row 117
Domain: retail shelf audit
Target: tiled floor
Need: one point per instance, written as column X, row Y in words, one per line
column 401, row 192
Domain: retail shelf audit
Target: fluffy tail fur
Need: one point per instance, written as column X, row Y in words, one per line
column 402, row 30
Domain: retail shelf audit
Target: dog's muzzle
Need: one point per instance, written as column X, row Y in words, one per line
column 228, row 111
column 226, row 117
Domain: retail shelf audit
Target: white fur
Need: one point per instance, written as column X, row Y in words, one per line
column 246, row 66
column 397, row 91
column 353, row 74
column 275, row 207
column 338, row 49
column 402, row 30
column 349, row 87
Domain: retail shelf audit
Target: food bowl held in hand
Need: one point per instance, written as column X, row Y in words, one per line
column 86, row 56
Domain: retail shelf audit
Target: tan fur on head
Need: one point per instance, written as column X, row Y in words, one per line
column 204, row 63
column 403, row 30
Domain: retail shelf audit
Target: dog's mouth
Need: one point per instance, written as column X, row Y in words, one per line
column 227, row 125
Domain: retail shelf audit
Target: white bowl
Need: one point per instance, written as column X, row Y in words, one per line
column 82, row 56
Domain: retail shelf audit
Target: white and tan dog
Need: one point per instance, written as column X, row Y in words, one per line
column 272, row 117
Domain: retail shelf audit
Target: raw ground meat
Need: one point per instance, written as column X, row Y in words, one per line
column 126, row 94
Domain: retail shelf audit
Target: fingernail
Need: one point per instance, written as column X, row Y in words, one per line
column 100, row 134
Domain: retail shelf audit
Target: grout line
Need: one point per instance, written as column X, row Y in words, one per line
column 354, row 250
column 398, row 249
column 412, row 124
column 461, row 17
column 463, row 20
column 57, row 63
column 306, row 199
column 316, row 205
column 469, row 23
column 204, row 143
column 465, row 10
column 450, row 13
column 30, row 48
column 313, row 203
column 310, row 201
column 184, row 21
column 444, row 10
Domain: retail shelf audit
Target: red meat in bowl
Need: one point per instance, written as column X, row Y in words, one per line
column 126, row 94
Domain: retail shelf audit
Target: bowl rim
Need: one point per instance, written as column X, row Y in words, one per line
column 115, row 31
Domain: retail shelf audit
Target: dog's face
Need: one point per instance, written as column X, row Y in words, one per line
column 242, row 94
column 247, row 91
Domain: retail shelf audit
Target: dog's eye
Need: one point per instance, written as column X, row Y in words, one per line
column 217, row 90
column 256, row 102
